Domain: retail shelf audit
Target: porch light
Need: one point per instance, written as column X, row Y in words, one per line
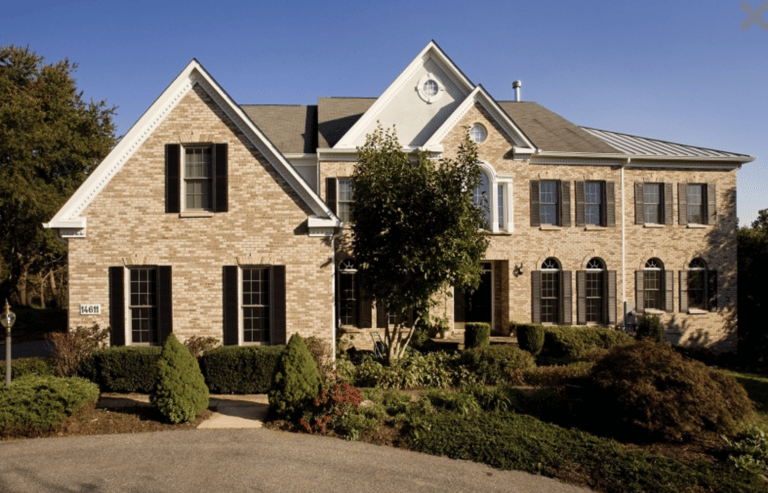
column 8, row 318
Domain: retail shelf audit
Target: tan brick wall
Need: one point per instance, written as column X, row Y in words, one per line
column 266, row 221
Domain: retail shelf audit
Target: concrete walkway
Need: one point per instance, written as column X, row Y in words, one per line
column 229, row 411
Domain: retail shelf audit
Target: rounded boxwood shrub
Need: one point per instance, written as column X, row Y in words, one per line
column 35, row 402
column 502, row 363
column 650, row 391
column 297, row 381
column 22, row 367
column 530, row 337
column 180, row 393
column 649, row 327
column 477, row 335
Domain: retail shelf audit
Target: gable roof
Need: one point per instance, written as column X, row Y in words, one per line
column 69, row 222
column 292, row 128
column 335, row 116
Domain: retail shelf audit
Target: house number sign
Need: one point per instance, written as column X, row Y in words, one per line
column 90, row 309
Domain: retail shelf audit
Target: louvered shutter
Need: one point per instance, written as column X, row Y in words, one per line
column 330, row 194
column 711, row 203
column 381, row 315
column 610, row 296
column 565, row 204
column 231, row 305
column 535, row 212
column 682, row 203
column 639, row 291
column 639, row 204
column 668, row 216
column 536, row 296
column 580, row 213
column 566, row 289
column 669, row 290
column 117, row 306
column 683, row 290
column 364, row 309
column 172, row 178
column 610, row 204
column 581, row 295
column 278, row 305
column 712, row 290
column 164, row 303
column 222, row 186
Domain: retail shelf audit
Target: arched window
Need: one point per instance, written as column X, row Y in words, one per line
column 348, row 292
column 594, row 291
column 550, row 291
column 482, row 197
column 596, row 294
column 697, row 284
column 652, row 284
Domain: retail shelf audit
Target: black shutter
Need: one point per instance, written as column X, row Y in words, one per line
column 712, row 290
column 381, row 315
column 610, row 204
column 164, row 303
column 668, row 217
column 565, row 204
column 330, row 194
column 639, row 204
column 535, row 212
column 639, row 291
column 610, row 296
column 231, row 315
column 683, row 291
column 581, row 295
column 364, row 310
column 222, row 187
column 566, row 290
column 172, row 177
column 278, row 305
column 682, row 203
column 536, row 296
column 580, row 221
column 669, row 290
column 117, row 306
column 711, row 203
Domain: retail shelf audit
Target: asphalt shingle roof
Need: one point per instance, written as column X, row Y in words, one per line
column 293, row 129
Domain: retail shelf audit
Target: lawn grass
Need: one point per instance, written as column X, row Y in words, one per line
column 756, row 386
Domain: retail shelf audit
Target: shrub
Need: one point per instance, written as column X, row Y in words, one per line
column 22, row 367
column 463, row 403
column 493, row 365
column 296, row 383
column 122, row 369
column 241, row 369
column 335, row 402
column 501, row 398
column 559, row 376
column 649, row 327
column 438, row 369
column 648, row 389
column 321, row 353
column 38, row 402
column 477, row 335
column 180, row 393
column 198, row 345
column 420, row 339
column 749, row 451
column 578, row 342
column 530, row 337
column 71, row 348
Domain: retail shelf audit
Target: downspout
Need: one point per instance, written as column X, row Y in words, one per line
column 623, row 243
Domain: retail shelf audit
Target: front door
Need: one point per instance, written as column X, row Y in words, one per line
column 476, row 306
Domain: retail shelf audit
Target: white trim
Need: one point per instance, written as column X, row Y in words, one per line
column 427, row 98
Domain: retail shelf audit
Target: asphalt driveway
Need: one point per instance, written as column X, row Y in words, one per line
column 243, row 460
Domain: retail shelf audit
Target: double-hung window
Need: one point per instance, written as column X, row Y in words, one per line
column 593, row 203
column 696, row 203
column 549, row 202
column 140, row 304
column 481, row 197
column 551, row 293
column 653, row 203
column 339, row 197
column 596, row 294
column 698, row 287
column 654, row 287
column 198, row 178
column 143, row 305
column 254, row 304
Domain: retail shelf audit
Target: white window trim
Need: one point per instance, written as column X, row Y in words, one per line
column 127, row 316
column 420, row 88
column 494, row 181
column 185, row 212
column 240, row 322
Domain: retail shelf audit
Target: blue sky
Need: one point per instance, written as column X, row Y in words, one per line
column 680, row 71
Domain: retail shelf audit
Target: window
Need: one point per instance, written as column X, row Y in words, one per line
column 477, row 133
column 551, row 293
column 143, row 306
column 501, row 216
column 345, row 199
column 596, row 292
column 654, row 287
column 196, row 179
column 652, row 284
column 653, row 206
column 698, row 287
column 348, row 292
column 481, row 199
column 593, row 202
column 696, row 203
column 430, row 88
column 551, row 203
column 255, row 305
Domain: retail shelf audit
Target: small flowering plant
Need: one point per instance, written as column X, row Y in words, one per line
column 337, row 398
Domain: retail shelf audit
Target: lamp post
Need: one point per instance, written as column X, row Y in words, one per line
column 7, row 319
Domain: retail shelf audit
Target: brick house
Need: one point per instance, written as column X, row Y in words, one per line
column 216, row 219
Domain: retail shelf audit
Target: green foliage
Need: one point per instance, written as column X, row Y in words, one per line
column 415, row 228
column 752, row 295
column 198, row 346
column 71, row 348
column 180, row 393
column 122, row 369
column 332, row 408
column 321, row 352
column 530, row 337
column 296, row 382
column 50, row 141
column 437, row 370
column 559, row 376
column 650, row 391
column 494, row 365
column 649, row 327
column 462, row 403
column 420, row 339
column 577, row 342
column 477, row 335
column 38, row 402
column 756, row 387
column 22, row 367
column 241, row 369
column 749, row 451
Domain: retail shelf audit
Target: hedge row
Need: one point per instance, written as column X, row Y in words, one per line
column 567, row 341
column 22, row 367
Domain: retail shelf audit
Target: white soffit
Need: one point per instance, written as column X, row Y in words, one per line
column 481, row 96
column 69, row 220
column 430, row 60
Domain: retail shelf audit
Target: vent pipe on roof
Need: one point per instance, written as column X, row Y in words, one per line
column 516, row 86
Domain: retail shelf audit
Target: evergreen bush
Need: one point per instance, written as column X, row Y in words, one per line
column 477, row 335
column 241, row 369
column 578, row 342
column 122, row 369
column 296, row 383
column 493, row 365
column 22, row 367
column 530, row 337
column 180, row 393
column 650, row 391
column 649, row 327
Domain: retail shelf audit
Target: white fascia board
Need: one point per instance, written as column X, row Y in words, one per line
column 431, row 51
column 323, row 226
column 480, row 95
column 193, row 73
column 326, row 154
